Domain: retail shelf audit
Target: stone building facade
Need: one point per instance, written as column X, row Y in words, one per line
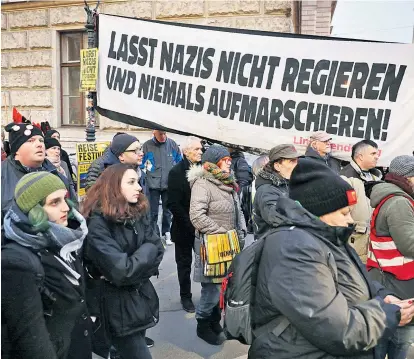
column 41, row 40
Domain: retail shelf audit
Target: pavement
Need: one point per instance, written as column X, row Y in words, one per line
column 175, row 335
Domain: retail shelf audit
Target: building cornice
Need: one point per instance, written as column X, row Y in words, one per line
column 33, row 5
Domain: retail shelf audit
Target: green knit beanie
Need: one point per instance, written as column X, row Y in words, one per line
column 33, row 188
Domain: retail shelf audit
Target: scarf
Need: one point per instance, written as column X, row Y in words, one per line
column 275, row 178
column 67, row 240
column 224, row 177
column 400, row 182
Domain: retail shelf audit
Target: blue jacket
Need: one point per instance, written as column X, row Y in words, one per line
column 158, row 160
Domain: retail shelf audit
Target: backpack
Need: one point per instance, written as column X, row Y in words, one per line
column 238, row 292
column 235, row 165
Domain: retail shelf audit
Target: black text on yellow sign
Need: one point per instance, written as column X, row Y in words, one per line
column 89, row 69
column 86, row 153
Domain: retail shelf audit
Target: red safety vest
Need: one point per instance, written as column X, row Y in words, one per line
column 383, row 253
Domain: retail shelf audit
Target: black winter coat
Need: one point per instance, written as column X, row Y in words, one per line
column 40, row 316
column 267, row 194
column 12, row 171
column 241, row 169
column 309, row 274
column 179, row 196
column 333, row 163
column 127, row 255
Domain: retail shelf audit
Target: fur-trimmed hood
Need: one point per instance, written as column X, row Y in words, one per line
column 197, row 172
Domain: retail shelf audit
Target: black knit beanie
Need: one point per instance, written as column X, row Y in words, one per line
column 52, row 142
column 20, row 133
column 319, row 189
column 121, row 142
column 51, row 132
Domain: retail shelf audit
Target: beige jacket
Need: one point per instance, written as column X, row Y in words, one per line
column 361, row 212
column 214, row 208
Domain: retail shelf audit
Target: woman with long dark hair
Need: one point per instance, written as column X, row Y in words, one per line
column 42, row 281
column 123, row 252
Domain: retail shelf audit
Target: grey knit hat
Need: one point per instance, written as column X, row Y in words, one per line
column 214, row 154
column 403, row 166
column 121, row 142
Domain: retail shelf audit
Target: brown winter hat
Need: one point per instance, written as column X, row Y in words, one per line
column 283, row 152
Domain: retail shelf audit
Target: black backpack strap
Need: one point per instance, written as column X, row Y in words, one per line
column 281, row 322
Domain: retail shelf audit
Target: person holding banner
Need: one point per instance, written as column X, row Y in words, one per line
column 320, row 148
column 122, row 252
column 216, row 215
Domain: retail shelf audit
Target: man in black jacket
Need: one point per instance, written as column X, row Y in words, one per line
column 27, row 155
column 320, row 149
column 182, row 231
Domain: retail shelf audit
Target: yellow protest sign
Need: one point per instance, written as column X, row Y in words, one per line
column 86, row 153
column 89, row 69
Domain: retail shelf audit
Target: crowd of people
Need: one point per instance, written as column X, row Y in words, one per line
column 336, row 277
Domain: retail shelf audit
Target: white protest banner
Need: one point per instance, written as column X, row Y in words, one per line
column 256, row 89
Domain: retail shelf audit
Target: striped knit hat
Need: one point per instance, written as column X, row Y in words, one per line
column 33, row 188
column 403, row 166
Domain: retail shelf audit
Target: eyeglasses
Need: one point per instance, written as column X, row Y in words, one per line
column 137, row 151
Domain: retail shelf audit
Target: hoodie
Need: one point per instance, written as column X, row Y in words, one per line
column 395, row 219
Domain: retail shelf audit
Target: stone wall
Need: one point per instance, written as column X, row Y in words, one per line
column 30, row 37
column 30, row 76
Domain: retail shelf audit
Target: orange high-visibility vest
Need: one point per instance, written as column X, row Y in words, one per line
column 383, row 253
